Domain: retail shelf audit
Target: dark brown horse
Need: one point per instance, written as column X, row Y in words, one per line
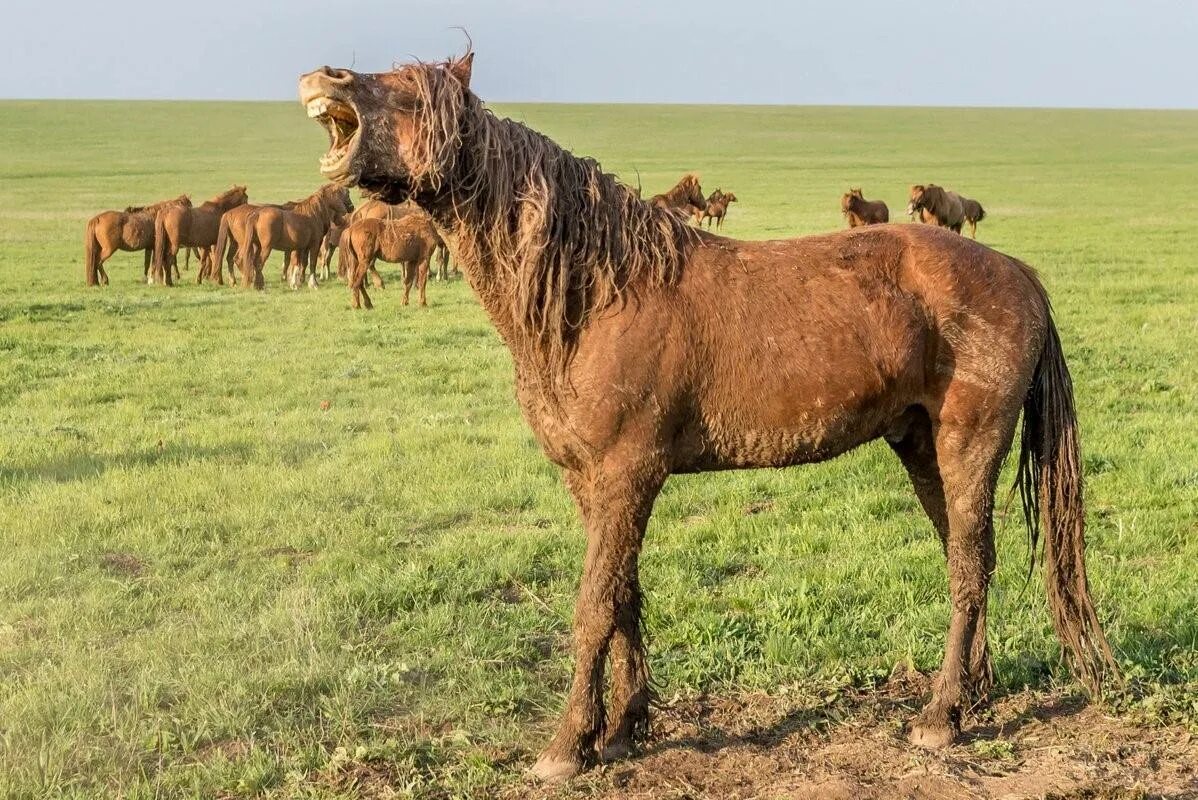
column 197, row 227
column 858, row 211
column 643, row 347
column 128, row 230
column 410, row 240
column 716, row 208
column 938, row 206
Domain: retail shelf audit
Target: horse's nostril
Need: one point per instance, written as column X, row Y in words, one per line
column 337, row 75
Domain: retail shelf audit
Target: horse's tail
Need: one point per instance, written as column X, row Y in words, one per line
column 980, row 213
column 161, row 246
column 1049, row 479
column 91, row 253
column 250, row 245
column 442, row 251
column 345, row 256
column 222, row 241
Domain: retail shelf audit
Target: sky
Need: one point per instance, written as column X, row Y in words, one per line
column 1056, row 53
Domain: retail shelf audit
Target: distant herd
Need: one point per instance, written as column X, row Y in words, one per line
column 230, row 229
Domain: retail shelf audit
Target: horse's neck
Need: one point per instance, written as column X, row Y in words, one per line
column 493, row 287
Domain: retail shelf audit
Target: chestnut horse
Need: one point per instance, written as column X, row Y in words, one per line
column 858, row 211
column 230, row 239
column 128, row 230
column 191, row 227
column 686, row 197
column 716, row 208
column 371, row 209
column 643, row 347
column 410, row 240
column 298, row 230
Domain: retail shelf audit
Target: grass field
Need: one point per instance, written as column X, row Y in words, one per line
column 214, row 585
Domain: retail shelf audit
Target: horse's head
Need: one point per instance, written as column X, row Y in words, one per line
column 729, row 197
column 391, row 133
column 693, row 191
column 917, row 199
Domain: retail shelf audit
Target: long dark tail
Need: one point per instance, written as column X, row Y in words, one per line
column 981, row 212
column 1049, row 478
column 91, row 254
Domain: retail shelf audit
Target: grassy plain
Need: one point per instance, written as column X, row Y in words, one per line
column 212, row 586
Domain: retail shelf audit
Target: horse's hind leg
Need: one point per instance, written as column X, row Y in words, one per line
column 973, row 435
column 409, row 276
column 422, row 279
column 915, row 447
column 973, row 229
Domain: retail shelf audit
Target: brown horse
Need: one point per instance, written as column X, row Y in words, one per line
column 410, row 240
column 974, row 213
column 371, row 209
column 298, row 230
column 191, row 227
column 635, row 338
column 128, row 230
column 230, row 239
column 858, row 211
column 938, row 206
column 716, row 208
column 685, row 198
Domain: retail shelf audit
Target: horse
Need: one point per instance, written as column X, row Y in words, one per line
column 974, row 213
column 859, row 211
column 410, row 240
column 192, row 227
column 716, row 208
column 937, row 206
column 635, row 338
column 371, row 209
column 128, row 230
column 298, row 230
column 686, row 197
column 230, row 239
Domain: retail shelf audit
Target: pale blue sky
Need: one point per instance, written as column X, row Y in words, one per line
column 912, row 52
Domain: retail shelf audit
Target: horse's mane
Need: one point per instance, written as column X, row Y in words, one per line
column 567, row 238
column 224, row 196
column 319, row 203
column 181, row 200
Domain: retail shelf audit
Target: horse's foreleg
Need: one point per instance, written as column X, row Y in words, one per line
column 621, row 496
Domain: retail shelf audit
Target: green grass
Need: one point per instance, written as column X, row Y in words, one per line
column 211, row 586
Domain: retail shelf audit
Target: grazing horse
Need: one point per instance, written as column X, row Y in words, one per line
column 410, row 240
column 716, row 208
column 191, row 227
column 643, row 347
column 686, row 198
column 938, row 206
column 858, row 211
column 128, row 230
column 298, row 230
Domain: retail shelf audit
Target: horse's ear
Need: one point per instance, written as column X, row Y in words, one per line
column 461, row 68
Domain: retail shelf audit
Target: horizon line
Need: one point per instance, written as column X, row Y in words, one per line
column 677, row 103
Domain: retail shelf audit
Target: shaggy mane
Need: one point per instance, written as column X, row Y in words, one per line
column 566, row 238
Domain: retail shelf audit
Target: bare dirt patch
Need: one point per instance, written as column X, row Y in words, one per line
column 123, row 564
column 1027, row 745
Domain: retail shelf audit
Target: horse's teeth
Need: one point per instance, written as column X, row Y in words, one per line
column 318, row 106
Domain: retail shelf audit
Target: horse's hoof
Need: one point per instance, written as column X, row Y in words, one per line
column 616, row 750
column 931, row 737
column 555, row 770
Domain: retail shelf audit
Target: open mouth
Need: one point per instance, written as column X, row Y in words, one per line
column 341, row 121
